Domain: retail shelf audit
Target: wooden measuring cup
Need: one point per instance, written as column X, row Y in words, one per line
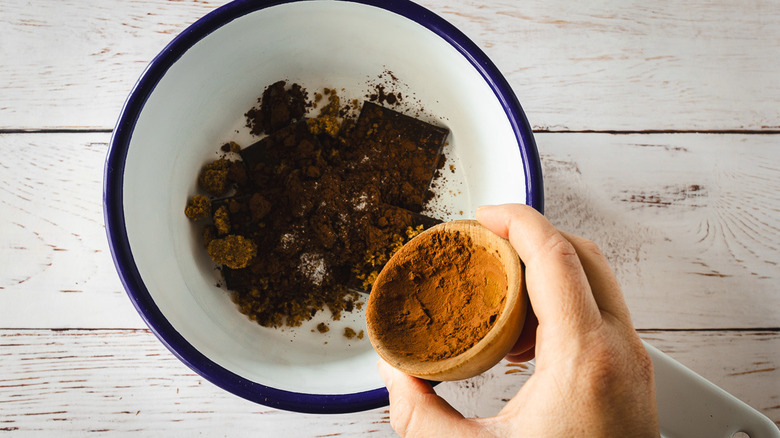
column 485, row 352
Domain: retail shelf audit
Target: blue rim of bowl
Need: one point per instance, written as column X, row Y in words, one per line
column 114, row 212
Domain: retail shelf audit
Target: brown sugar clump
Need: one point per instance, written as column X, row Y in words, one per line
column 222, row 220
column 233, row 251
column 441, row 298
column 324, row 124
column 333, row 107
column 350, row 333
column 328, row 120
column 213, row 177
column 198, row 207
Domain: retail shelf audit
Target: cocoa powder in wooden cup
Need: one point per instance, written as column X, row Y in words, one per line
column 450, row 304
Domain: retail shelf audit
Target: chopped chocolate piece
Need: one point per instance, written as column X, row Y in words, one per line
column 399, row 218
column 401, row 150
column 233, row 251
column 213, row 178
column 198, row 207
column 271, row 160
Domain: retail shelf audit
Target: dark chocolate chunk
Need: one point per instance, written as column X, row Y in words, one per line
column 271, row 160
column 401, row 151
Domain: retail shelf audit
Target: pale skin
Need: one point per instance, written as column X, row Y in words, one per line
column 592, row 377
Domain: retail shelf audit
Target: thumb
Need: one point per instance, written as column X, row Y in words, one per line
column 416, row 410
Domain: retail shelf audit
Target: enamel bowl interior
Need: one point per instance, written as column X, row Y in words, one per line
column 192, row 98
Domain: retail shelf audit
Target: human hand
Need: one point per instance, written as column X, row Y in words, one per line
column 593, row 376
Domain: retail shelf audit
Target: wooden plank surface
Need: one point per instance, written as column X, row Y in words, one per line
column 664, row 149
column 54, row 247
column 689, row 222
column 606, row 65
column 73, row 382
column 686, row 219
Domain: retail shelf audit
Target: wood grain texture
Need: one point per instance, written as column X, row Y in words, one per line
column 688, row 222
column 605, row 65
column 57, row 269
column 74, row 382
column 633, row 65
column 684, row 219
column 76, row 62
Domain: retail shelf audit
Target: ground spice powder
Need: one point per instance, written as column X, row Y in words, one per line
column 441, row 297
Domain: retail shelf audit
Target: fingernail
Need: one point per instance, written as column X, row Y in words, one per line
column 482, row 209
column 385, row 373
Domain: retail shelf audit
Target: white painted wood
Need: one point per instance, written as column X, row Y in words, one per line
column 633, row 65
column 124, row 382
column 57, row 269
column 74, row 63
column 601, row 65
column 689, row 223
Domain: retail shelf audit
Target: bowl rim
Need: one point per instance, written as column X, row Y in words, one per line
column 113, row 209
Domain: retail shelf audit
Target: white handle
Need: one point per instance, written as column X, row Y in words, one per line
column 691, row 406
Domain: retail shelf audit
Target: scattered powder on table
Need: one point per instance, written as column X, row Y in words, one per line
column 441, row 298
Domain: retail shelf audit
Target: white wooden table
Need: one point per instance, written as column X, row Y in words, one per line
column 658, row 125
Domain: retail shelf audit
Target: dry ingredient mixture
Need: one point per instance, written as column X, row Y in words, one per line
column 441, row 298
column 310, row 213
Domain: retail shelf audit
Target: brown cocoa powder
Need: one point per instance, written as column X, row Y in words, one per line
column 438, row 297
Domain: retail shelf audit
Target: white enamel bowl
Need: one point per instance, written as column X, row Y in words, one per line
column 192, row 98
